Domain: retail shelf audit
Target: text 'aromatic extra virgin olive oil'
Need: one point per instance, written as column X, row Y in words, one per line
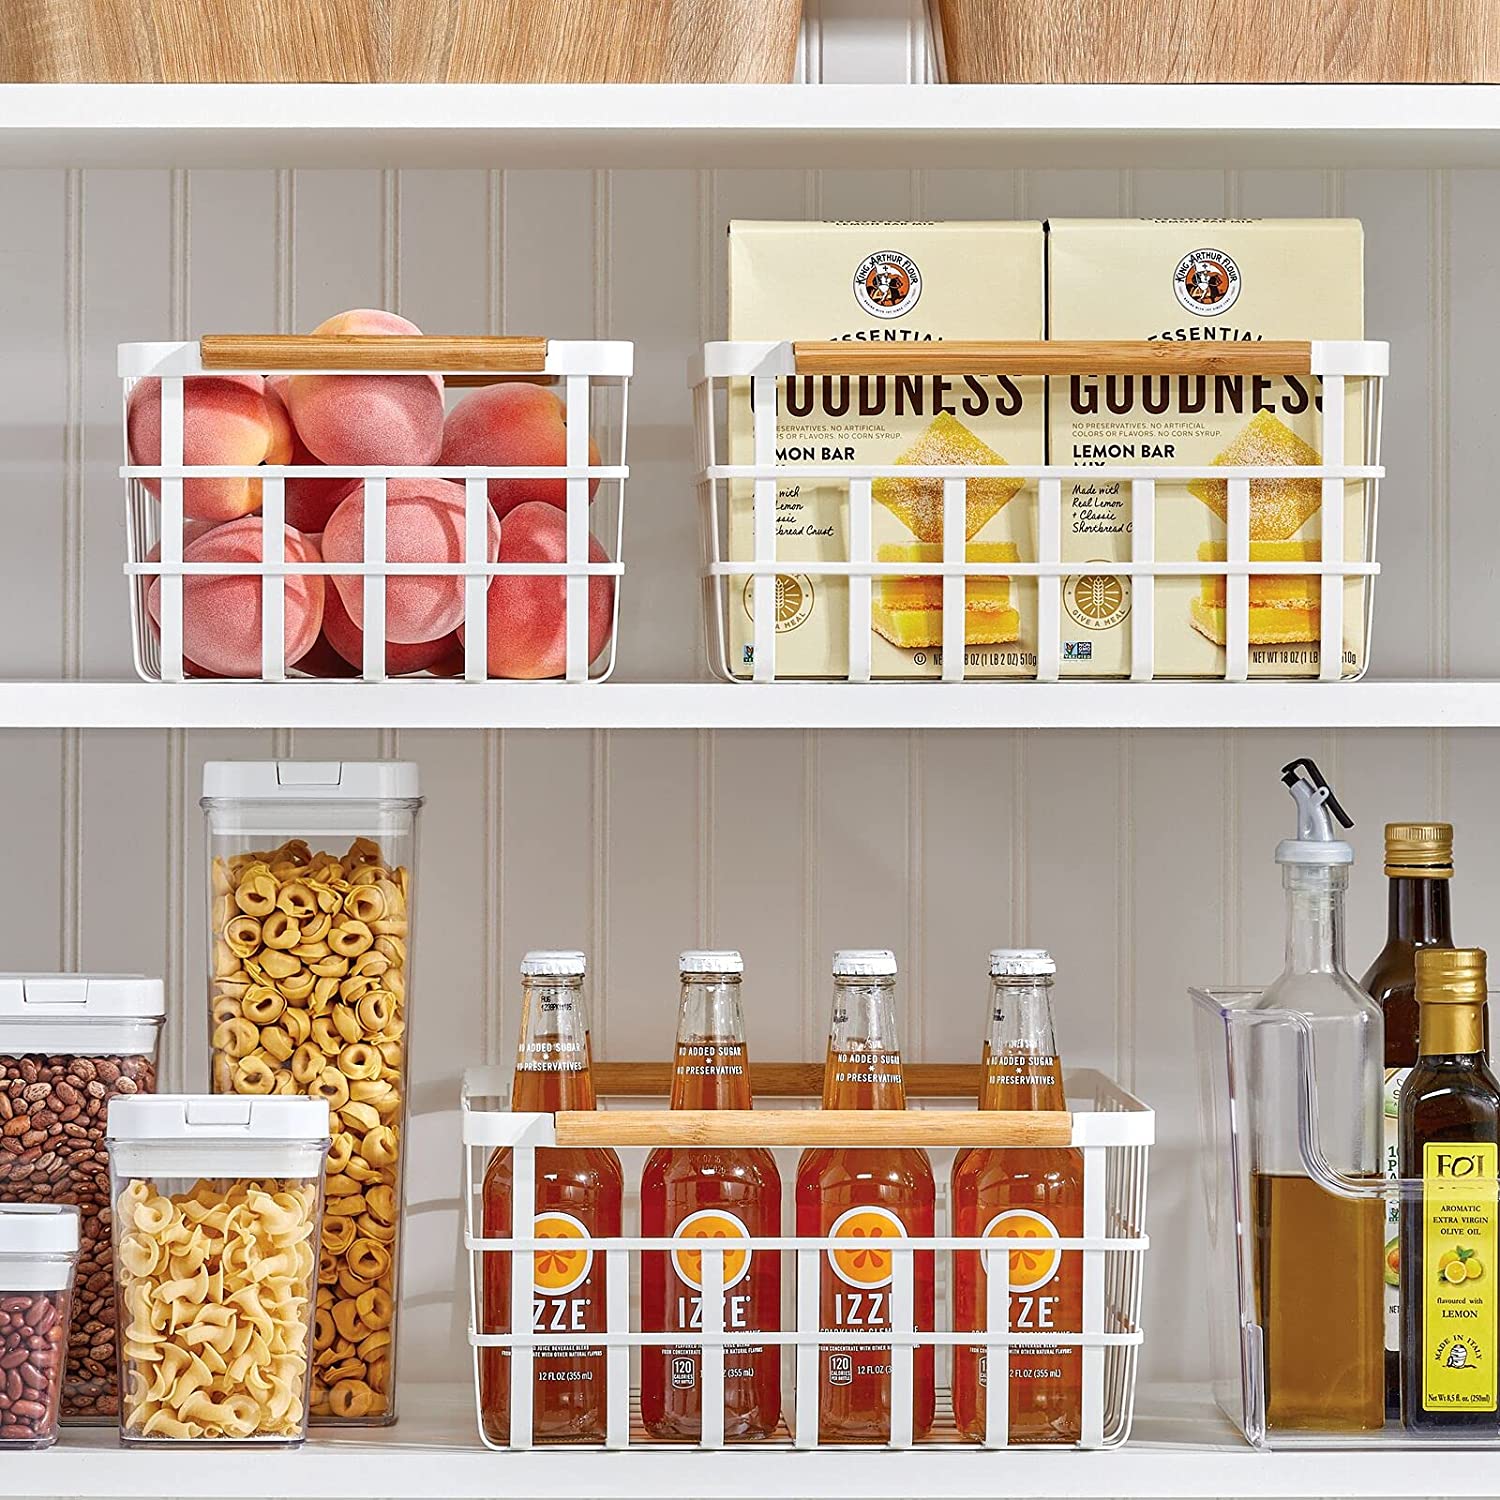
column 869, row 1198
column 710, row 1194
column 578, row 1197
column 1021, row 1198
column 1450, row 1140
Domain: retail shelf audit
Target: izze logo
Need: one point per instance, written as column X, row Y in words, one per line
column 563, row 1269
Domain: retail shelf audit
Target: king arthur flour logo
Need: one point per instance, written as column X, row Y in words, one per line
column 887, row 284
column 1207, row 282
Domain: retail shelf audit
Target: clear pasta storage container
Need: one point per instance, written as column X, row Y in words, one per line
column 217, row 1205
column 309, row 943
column 69, row 1044
column 38, row 1250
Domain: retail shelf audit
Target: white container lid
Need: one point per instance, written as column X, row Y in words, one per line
column 214, row 1135
column 1021, row 962
column 853, row 963
column 38, row 1246
column 711, row 961
column 554, row 963
column 75, row 997
column 311, row 780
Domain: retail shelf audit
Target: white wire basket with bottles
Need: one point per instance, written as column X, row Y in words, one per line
column 1110, row 1129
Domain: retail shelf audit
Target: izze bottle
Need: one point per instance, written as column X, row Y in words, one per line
column 1018, row 1195
column 866, row 1197
column 717, row 1194
column 578, row 1195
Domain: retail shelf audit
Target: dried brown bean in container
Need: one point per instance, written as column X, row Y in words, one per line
column 59, row 1103
column 33, row 1326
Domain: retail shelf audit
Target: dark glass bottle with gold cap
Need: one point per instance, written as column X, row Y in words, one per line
column 1450, row 1212
column 1419, row 864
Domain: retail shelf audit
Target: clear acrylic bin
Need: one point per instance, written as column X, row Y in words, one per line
column 310, row 927
column 216, row 1215
column 1233, row 1041
column 38, row 1252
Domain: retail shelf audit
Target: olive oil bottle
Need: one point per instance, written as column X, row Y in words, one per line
column 1450, row 1140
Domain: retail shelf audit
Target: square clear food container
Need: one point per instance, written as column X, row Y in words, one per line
column 217, row 1206
column 38, row 1250
column 69, row 1043
column 310, row 915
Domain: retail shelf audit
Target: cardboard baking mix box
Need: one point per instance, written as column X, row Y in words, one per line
column 1202, row 280
column 890, row 283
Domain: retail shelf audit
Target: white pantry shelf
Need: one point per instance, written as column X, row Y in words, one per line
column 1181, row 1448
column 822, row 125
column 719, row 705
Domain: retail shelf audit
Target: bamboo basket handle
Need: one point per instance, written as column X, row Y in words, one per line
column 788, row 1080
column 1054, row 357
column 372, row 351
column 807, row 1127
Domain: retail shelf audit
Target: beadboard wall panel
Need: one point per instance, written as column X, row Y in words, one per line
column 1143, row 859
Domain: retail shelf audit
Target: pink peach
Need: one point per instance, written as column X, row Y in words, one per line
column 309, row 502
column 424, row 523
column 368, row 419
column 225, row 420
column 347, row 642
column 513, row 424
column 221, row 616
column 527, row 624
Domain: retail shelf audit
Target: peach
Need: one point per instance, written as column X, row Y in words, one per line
column 368, row 419
column 347, row 642
column 526, row 621
column 226, row 420
column 424, row 523
column 309, row 502
column 221, row 616
column 513, row 424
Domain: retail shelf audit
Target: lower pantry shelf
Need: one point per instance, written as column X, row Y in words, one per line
column 1181, row 1447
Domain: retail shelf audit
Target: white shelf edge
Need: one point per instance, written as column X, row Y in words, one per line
column 817, row 125
column 1182, row 1448
column 713, row 705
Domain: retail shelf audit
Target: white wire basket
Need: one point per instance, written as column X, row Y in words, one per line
column 731, row 372
column 1111, row 1129
column 591, row 379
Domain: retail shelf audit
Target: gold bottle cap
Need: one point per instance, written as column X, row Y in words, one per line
column 1420, row 849
column 1450, row 976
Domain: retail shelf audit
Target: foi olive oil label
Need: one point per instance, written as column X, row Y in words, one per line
column 891, row 284
column 1459, row 1213
column 1201, row 281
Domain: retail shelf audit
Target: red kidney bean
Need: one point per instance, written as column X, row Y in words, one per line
column 33, row 1326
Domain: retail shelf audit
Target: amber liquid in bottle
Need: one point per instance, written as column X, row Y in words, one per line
column 868, row 1196
column 714, row 1193
column 1419, row 862
column 1450, row 1214
column 1022, row 1195
column 579, row 1191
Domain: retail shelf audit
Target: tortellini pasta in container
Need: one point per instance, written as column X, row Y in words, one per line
column 217, row 1205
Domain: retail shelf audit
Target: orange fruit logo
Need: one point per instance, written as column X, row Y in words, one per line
column 868, row 1262
column 1031, row 1265
column 559, row 1271
column 711, row 1224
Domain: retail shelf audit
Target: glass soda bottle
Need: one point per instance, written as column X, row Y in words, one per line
column 710, row 1193
column 1020, row 1195
column 578, row 1197
column 867, row 1196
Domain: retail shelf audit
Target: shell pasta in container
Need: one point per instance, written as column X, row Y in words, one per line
column 217, row 1206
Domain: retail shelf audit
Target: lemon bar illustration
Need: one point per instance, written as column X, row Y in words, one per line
column 1278, row 507
column 1283, row 610
column 908, row 612
column 919, row 502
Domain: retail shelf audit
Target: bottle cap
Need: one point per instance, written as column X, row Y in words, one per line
column 864, row 963
column 710, row 961
column 1420, row 849
column 1450, row 976
column 1317, row 808
column 554, row 963
column 1021, row 962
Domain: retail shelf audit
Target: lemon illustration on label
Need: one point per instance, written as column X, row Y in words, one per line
column 1459, row 1265
column 560, row 1270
